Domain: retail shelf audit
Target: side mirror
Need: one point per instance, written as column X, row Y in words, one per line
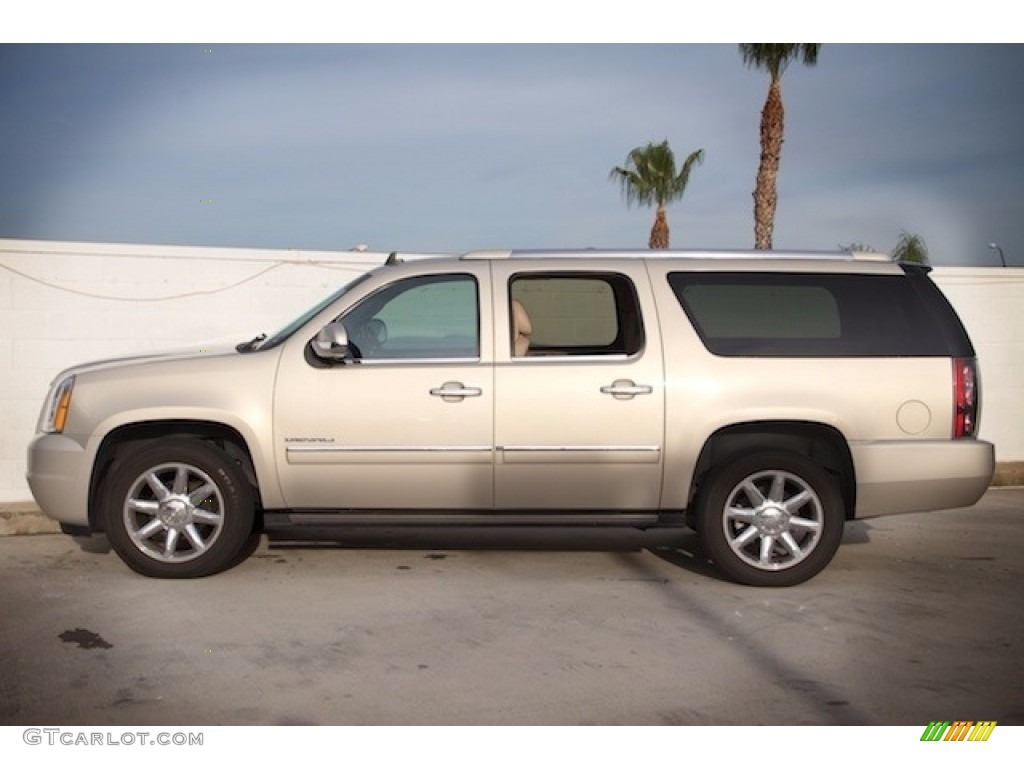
column 331, row 343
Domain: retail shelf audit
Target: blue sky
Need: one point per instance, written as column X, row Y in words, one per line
column 458, row 147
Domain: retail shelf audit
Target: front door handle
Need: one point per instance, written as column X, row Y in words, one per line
column 455, row 391
column 626, row 389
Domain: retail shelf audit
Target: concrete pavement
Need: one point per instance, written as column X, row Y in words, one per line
column 918, row 618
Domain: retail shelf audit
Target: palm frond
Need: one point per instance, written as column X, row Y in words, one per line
column 775, row 57
column 649, row 177
column 910, row 248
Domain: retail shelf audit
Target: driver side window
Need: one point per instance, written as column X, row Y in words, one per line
column 420, row 318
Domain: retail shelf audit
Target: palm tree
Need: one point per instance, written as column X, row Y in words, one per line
column 649, row 177
column 910, row 248
column 773, row 58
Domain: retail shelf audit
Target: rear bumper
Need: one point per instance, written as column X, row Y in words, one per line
column 919, row 475
column 58, row 478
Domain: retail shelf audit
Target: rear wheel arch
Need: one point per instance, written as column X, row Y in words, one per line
column 821, row 443
column 130, row 438
column 770, row 518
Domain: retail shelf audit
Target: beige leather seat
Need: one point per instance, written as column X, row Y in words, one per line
column 522, row 328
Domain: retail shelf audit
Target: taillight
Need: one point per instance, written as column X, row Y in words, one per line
column 966, row 397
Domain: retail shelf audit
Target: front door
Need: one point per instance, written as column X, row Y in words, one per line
column 406, row 424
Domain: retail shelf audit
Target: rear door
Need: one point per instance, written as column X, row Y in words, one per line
column 578, row 385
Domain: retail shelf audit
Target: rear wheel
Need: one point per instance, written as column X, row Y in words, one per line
column 178, row 508
column 771, row 518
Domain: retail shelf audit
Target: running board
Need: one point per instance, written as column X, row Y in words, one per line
column 299, row 519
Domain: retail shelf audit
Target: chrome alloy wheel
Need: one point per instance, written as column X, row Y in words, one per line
column 773, row 520
column 174, row 512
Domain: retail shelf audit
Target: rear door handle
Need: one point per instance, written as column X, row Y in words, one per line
column 454, row 391
column 625, row 389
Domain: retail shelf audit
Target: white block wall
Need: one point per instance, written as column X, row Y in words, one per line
column 137, row 298
column 63, row 303
column 990, row 301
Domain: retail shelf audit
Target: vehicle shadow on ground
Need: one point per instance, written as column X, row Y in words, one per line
column 679, row 547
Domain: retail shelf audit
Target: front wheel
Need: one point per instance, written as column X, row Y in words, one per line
column 178, row 508
column 771, row 519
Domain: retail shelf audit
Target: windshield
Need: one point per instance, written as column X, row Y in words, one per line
column 309, row 314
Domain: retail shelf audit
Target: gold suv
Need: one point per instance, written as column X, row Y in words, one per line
column 761, row 399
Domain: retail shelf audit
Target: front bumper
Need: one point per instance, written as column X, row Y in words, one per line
column 58, row 475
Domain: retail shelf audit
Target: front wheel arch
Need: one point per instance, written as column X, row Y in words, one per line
column 130, row 438
column 177, row 508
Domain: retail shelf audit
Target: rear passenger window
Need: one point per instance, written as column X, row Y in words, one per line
column 574, row 314
column 808, row 315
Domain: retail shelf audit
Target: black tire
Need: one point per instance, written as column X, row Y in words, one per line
column 771, row 518
column 178, row 508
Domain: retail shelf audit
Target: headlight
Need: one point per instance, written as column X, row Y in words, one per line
column 55, row 414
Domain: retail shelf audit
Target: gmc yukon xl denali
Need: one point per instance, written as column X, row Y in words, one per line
column 761, row 399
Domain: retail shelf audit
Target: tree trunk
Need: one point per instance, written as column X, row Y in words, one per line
column 765, row 194
column 659, row 232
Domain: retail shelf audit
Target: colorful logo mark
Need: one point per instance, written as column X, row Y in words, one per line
column 958, row 730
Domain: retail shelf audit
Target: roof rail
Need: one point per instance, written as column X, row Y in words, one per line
column 486, row 255
column 593, row 253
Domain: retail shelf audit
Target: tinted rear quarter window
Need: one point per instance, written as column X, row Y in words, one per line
column 740, row 314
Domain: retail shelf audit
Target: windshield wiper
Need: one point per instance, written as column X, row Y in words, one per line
column 249, row 346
